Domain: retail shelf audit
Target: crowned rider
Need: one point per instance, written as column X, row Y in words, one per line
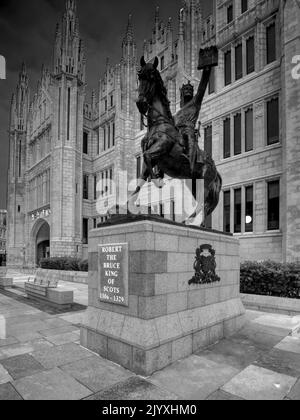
column 186, row 119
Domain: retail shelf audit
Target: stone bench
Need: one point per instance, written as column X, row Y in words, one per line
column 48, row 291
column 6, row 282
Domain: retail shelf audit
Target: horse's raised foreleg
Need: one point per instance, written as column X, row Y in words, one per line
column 132, row 208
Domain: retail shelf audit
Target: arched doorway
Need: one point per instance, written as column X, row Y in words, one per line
column 41, row 238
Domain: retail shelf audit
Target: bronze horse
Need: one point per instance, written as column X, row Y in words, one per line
column 164, row 146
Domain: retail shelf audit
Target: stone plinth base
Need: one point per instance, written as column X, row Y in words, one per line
column 167, row 319
column 60, row 297
column 5, row 282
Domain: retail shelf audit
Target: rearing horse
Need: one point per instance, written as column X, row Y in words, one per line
column 164, row 146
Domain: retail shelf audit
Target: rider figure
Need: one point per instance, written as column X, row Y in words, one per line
column 186, row 119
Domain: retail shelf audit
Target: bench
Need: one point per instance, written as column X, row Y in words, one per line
column 47, row 289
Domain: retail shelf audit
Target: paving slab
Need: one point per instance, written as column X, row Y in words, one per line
column 285, row 322
column 61, row 355
column 134, row 389
column 57, row 331
column 235, row 354
column 295, row 392
column 291, row 344
column 223, row 396
column 50, row 385
column 96, row 373
column 256, row 383
column 194, row 378
column 280, row 361
column 4, row 375
column 22, row 366
column 260, row 339
column 58, row 340
column 8, row 393
column 8, row 341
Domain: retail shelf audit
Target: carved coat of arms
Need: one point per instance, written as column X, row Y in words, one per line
column 205, row 266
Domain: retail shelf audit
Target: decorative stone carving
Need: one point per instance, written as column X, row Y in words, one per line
column 205, row 266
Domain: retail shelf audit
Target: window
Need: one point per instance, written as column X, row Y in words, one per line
column 238, row 62
column 249, row 130
column 250, row 56
column 162, row 63
column 95, row 187
column 238, row 211
column 230, row 13
column 273, row 205
column 227, row 68
column 208, row 140
column 85, row 187
column 85, row 147
column 95, row 223
column 227, row 140
column 98, row 142
column 173, row 214
column 104, row 139
column 85, row 231
column 237, row 134
column 227, row 199
column 273, row 121
column 211, row 85
column 108, row 137
column 105, row 104
column 244, row 6
column 68, row 114
column 138, row 167
column 249, row 209
column 113, row 134
column 271, row 43
column 111, row 101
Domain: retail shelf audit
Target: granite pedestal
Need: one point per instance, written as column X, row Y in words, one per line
column 166, row 318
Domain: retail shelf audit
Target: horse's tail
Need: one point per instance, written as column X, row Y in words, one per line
column 213, row 196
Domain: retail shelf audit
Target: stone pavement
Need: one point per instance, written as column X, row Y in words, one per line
column 41, row 359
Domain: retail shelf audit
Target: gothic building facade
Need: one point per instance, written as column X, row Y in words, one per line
column 65, row 149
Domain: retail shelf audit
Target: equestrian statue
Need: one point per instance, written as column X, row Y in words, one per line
column 171, row 144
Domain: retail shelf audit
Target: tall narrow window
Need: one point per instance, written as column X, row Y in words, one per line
column 237, row 134
column 173, row 214
column 238, row 211
column 227, row 58
column 85, row 231
column 227, row 199
column 244, row 6
column 111, row 101
column 249, row 209
column 271, row 43
column 108, row 136
column 211, row 85
column 104, row 139
column 227, row 139
column 238, row 62
column 59, row 111
column 273, row 121
column 68, row 114
column 111, row 181
column 20, row 158
column 162, row 63
column 273, row 205
column 113, row 134
column 249, row 130
column 208, row 140
column 85, row 147
column 85, row 187
column 230, row 13
column 250, row 56
column 95, row 187
column 105, row 105
column 98, row 142
column 138, row 167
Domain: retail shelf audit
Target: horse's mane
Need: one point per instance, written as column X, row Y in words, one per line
column 163, row 94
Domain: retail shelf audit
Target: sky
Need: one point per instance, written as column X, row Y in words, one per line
column 27, row 29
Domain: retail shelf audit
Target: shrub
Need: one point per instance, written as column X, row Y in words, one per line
column 64, row 264
column 271, row 279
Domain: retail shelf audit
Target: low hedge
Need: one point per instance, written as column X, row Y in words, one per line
column 270, row 279
column 64, row 264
